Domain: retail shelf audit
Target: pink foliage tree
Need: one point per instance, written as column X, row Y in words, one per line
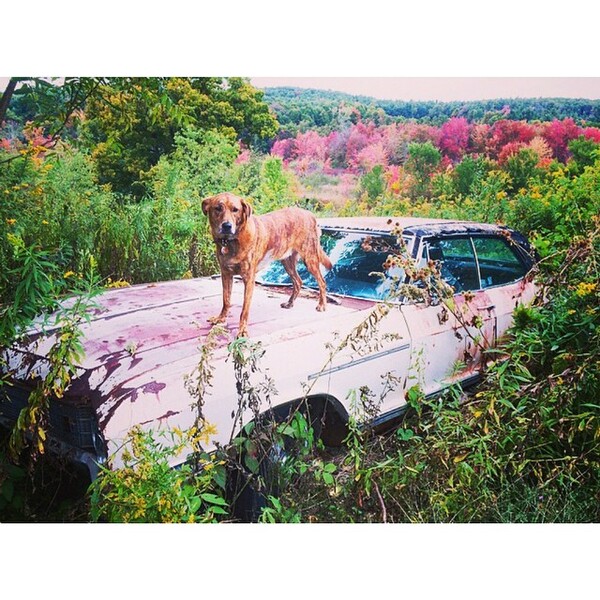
column 360, row 136
column 592, row 133
column 310, row 145
column 336, row 148
column 371, row 156
column 284, row 148
column 478, row 142
column 509, row 150
column 558, row 134
column 454, row 138
column 395, row 141
column 504, row 132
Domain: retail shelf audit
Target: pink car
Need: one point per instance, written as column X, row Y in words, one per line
column 143, row 341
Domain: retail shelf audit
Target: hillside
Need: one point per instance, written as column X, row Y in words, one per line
column 300, row 109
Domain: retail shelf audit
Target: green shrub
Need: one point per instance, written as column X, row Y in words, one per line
column 147, row 489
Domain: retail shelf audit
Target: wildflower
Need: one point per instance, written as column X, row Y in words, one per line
column 44, row 222
column 68, row 274
column 120, row 283
column 585, row 289
column 11, row 221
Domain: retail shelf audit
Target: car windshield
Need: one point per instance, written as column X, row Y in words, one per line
column 356, row 258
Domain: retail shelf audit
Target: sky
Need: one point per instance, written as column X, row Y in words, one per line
column 440, row 50
column 446, row 88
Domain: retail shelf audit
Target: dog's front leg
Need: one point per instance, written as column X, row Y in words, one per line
column 248, row 291
column 227, row 282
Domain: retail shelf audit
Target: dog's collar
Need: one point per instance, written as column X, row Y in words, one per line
column 224, row 244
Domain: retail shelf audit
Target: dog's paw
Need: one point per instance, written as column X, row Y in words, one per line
column 287, row 304
column 321, row 307
column 242, row 333
column 216, row 320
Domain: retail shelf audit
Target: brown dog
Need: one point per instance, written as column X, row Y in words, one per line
column 245, row 242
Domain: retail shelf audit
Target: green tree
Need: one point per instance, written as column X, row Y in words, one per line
column 468, row 173
column 373, row 183
column 585, row 153
column 423, row 159
column 52, row 104
column 132, row 122
column 521, row 167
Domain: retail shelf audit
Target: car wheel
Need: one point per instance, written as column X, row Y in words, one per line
column 262, row 465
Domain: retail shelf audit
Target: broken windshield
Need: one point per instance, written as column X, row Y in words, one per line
column 357, row 259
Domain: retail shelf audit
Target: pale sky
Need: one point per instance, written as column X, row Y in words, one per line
column 446, row 88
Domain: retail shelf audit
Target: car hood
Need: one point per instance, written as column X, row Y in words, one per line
column 155, row 317
column 134, row 333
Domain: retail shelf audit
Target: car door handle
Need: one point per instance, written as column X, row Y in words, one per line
column 488, row 307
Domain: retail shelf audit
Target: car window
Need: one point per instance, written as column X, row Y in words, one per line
column 456, row 261
column 498, row 262
column 356, row 257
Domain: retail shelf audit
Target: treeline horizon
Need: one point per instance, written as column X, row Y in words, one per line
column 299, row 110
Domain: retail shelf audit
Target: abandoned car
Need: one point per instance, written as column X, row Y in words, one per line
column 386, row 328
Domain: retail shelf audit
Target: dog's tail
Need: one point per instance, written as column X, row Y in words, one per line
column 324, row 259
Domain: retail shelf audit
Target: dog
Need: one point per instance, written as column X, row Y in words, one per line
column 245, row 243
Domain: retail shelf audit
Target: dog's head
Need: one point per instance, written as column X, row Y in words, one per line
column 227, row 214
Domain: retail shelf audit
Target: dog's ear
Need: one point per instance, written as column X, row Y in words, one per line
column 206, row 205
column 247, row 209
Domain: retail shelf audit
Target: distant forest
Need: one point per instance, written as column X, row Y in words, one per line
column 300, row 110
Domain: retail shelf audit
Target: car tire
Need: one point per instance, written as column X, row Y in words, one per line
column 249, row 491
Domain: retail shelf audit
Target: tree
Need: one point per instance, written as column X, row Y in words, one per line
column 506, row 132
column 558, row 134
column 584, row 151
column 132, row 122
column 521, row 166
column 50, row 104
column 6, row 98
column 423, row 158
column 373, row 183
column 468, row 173
column 454, row 138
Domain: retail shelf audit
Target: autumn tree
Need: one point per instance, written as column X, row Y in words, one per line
column 454, row 138
column 558, row 134
column 506, row 132
column 132, row 122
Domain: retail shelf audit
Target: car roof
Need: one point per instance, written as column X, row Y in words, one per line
column 413, row 225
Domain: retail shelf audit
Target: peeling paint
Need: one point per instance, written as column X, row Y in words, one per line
column 164, row 322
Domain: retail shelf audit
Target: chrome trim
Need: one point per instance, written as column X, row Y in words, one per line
column 358, row 361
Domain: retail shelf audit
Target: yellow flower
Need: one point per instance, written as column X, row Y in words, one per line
column 585, row 289
column 68, row 274
column 120, row 283
column 44, row 222
column 11, row 221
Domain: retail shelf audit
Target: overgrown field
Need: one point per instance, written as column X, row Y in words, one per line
column 76, row 216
